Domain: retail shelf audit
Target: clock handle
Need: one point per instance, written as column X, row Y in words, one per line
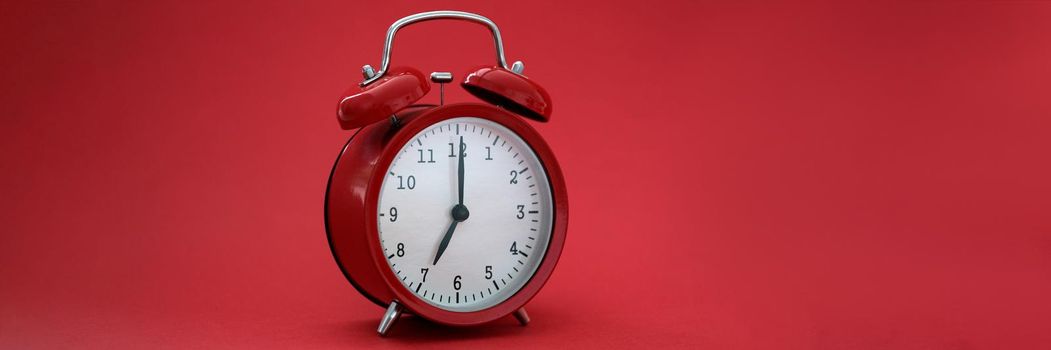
column 371, row 76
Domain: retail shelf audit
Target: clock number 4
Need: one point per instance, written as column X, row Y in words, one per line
column 514, row 248
column 409, row 182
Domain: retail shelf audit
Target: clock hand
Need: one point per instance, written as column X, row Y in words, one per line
column 459, row 177
column 445, row 242
column 459, row 212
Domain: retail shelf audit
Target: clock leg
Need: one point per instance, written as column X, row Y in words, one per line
column 522, row 316
column 392, row 314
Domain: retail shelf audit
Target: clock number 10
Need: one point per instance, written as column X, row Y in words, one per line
column 409, row 182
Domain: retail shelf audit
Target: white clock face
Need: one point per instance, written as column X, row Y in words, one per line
column 472, row 252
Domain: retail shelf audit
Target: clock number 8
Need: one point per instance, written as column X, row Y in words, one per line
column 401, row 250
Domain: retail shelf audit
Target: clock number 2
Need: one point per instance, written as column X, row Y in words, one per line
column 514, row 177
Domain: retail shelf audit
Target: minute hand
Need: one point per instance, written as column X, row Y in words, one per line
column 459, row 172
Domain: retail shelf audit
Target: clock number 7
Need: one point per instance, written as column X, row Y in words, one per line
column 424, row 271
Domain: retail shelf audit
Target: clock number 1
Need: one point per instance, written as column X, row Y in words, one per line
column 488, row 153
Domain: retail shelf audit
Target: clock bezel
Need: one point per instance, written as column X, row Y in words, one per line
column 559, row 218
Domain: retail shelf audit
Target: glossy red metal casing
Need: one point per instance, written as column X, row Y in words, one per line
column 353, row 195
column 397, row 90
column 513, row 91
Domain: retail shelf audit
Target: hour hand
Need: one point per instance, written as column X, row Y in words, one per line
column 445, row 242
column 459, row 214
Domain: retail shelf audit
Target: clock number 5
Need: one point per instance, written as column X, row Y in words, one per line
column 488, row 272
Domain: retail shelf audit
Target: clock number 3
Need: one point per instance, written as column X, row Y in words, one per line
column 521, row 212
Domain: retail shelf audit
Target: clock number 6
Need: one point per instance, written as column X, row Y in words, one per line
column 456, row 282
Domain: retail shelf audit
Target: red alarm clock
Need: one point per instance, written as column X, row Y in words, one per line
column 456, row 213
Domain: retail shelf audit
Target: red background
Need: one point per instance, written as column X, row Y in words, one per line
column 741, row 175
